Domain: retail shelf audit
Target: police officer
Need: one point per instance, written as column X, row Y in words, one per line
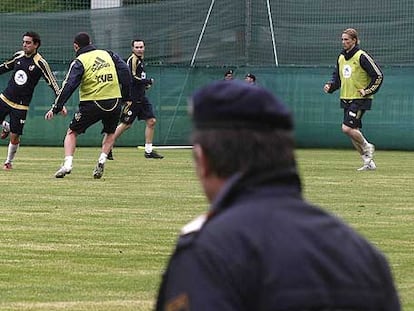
column 250, row 78
column 99, row 74
column 229, row 75
column 261, row 246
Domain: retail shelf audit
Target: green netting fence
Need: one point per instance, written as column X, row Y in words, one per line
column 290, row 45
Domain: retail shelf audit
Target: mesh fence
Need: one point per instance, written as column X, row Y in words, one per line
column 218, row 32
column 291, row 46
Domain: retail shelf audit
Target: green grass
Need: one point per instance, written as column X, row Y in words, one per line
column 83, row 244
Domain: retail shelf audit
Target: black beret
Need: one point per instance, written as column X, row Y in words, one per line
column 236, row 105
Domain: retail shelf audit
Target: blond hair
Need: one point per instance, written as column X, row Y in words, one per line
column 352, row 33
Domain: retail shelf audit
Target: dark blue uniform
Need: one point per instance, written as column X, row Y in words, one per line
column 262, row 247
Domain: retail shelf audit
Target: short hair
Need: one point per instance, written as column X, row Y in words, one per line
column 82, row 39
column 136, row 40
column 230, row 151
column 35, row 37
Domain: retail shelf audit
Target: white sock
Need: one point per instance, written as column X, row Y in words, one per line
column 11, row 152
column 102, row 158
column 366, row 159
column 68, row 162
column 365, row 143
column 148, row 148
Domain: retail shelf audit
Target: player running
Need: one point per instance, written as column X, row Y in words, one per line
column 359, row 77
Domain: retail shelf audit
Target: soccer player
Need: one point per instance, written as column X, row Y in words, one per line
column 140, row 108
column 103, row 79
column 28, row 67
column 261, row 245
column 359, row 77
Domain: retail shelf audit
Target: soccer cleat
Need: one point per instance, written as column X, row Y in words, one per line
column 110, row 156
column 368, row 167
column 153, row 155
column 7, row 166
column 6, row 130
column 62, row 172
column 98, row 171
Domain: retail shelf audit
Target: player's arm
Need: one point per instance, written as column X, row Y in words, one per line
column 70, row 84
column 335, row 82
column 374, row 71
column 133, row 64
column 124, row 75
column 8, row 65
column 48, row 75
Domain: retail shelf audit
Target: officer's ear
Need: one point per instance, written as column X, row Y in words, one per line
column 202, row 165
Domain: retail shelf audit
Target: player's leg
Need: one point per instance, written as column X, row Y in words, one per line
column 77, row 126
column 110, row 121
column 150, row 153
column 69, row 147
column 147, row 113
column 127, row 117
column 16, row 130
column 5, row 126
column 351, row 127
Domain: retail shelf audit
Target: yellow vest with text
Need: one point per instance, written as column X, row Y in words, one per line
column 99, row 80
column 353, row 77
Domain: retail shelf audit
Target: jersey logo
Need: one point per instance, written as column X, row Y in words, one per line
column 99, row 63
column 31, row 67
column 20, row 77
column 347, row 71
column 104, row 78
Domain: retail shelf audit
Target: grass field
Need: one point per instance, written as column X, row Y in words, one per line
column 83, row 244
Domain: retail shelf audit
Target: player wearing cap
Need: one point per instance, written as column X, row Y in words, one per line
column 359, row 77
column 261, row 246
column 28, row 67
column 103, row 79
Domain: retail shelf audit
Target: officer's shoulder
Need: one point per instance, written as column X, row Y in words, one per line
column 194, row 226
column 189, row 232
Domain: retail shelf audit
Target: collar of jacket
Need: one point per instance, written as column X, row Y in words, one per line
column 285, row 179
column 351, row 53
column 85, row 49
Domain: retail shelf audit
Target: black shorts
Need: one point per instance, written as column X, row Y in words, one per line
column 91, row 112
column 17, row 117
column 353, row 116
column 141, row 110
